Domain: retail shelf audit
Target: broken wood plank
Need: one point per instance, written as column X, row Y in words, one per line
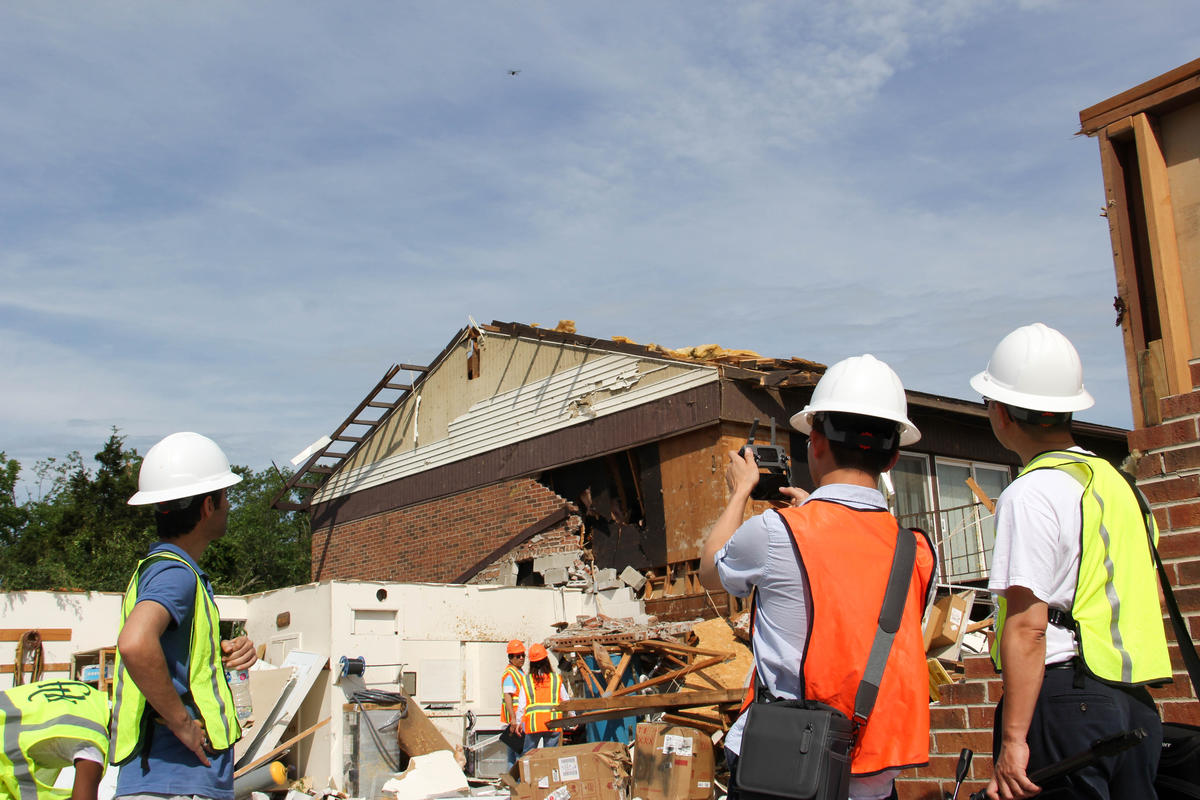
column 47, row 634
column 258, row 762
column 981, row 495
column 678, row 673
column 667, row 700
column 588, row 675
column 682, row 648
column 416, row 734
column 603, row 660
column 618, row 673
column 709, row 725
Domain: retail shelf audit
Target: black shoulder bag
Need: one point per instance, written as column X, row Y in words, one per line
column 801, row 749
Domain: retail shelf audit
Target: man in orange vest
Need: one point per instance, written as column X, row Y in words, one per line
column 511, row 685
column 821, row 566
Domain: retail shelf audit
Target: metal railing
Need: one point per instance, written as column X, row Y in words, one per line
column 963, row 537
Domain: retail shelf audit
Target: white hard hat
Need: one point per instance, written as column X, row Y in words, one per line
column 1035, row 367
column 182, row 465
column 861, row 385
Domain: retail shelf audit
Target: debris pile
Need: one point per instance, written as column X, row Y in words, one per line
column 630, row 669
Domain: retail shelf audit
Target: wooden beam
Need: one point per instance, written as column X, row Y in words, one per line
column 1143, row 95
column 588, row 675
column 1164, row 257
column 404, row 387
column 1120, row 231
column 981, row 495
column 668, row 676
column 58, row 666
column 47, row 634
column 618, row 673
column 683, row 648
column 661, row 701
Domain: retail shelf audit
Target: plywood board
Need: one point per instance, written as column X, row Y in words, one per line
column 1164, row 256
column 1180, row 137
column 307, row 667
column 693, row 488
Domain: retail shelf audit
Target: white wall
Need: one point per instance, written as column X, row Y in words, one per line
column 452, row 636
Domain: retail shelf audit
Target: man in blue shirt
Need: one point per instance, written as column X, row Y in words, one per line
column 174, row 722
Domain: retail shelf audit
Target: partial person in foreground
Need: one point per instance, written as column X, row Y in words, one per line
column 174, row 721
column 1079, row 630
column 821, row 565
column 48, row 726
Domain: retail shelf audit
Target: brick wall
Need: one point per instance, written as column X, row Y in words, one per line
column 962, row 718
column 438, row 540
column 1167, row 465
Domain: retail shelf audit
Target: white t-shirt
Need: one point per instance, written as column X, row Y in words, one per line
column 1038, row 524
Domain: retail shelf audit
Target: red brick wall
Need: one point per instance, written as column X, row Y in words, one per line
column 1168, row 470
column 962, row 718
column 439, row 540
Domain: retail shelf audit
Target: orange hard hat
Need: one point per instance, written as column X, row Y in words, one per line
column 538, row 653
column 516, row 648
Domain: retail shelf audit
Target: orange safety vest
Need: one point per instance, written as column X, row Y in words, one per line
column 518, row 678
column 540, row 701
column 846, row 555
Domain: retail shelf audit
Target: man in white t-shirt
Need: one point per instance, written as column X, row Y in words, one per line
column 1079, row 628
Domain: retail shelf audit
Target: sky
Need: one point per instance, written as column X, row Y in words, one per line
column 234, row 217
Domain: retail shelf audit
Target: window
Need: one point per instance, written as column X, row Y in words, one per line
column 913, row 502
column 966, row 529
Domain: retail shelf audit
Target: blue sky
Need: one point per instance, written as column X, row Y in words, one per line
column 233, row 217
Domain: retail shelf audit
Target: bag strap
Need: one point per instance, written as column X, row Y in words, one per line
column 1186, row 648
column 894, row 599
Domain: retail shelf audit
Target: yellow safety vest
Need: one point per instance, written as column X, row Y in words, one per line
column 208, row 690
column 1116, row 616
column 37, row 713
column 518, row 678
column 540, row 702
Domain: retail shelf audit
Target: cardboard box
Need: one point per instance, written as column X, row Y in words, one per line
column 946, row 620
column 594, row 771
column 672, row 762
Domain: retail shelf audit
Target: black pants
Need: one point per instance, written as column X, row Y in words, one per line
column 1069, row 717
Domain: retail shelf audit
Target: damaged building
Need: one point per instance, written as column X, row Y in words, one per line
column 527, row 456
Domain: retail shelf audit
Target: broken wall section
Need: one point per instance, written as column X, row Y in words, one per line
column 440, row 540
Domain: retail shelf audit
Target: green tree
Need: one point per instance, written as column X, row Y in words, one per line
column 81, row 533
column 263, row 548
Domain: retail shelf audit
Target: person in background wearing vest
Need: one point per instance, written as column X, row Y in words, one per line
column 1079, row 631
column 821, row 568
column 512, row 684
column 544, row 690
column 173, row 721
column 47, row 726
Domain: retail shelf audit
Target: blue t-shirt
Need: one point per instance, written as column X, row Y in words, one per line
column 171, row 768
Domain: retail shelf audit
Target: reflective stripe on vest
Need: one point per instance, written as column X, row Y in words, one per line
column 846, row 557
column 540, row 702
column 210, row 696
column 1118, row 620
column 40, row 712
column 518, row 679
